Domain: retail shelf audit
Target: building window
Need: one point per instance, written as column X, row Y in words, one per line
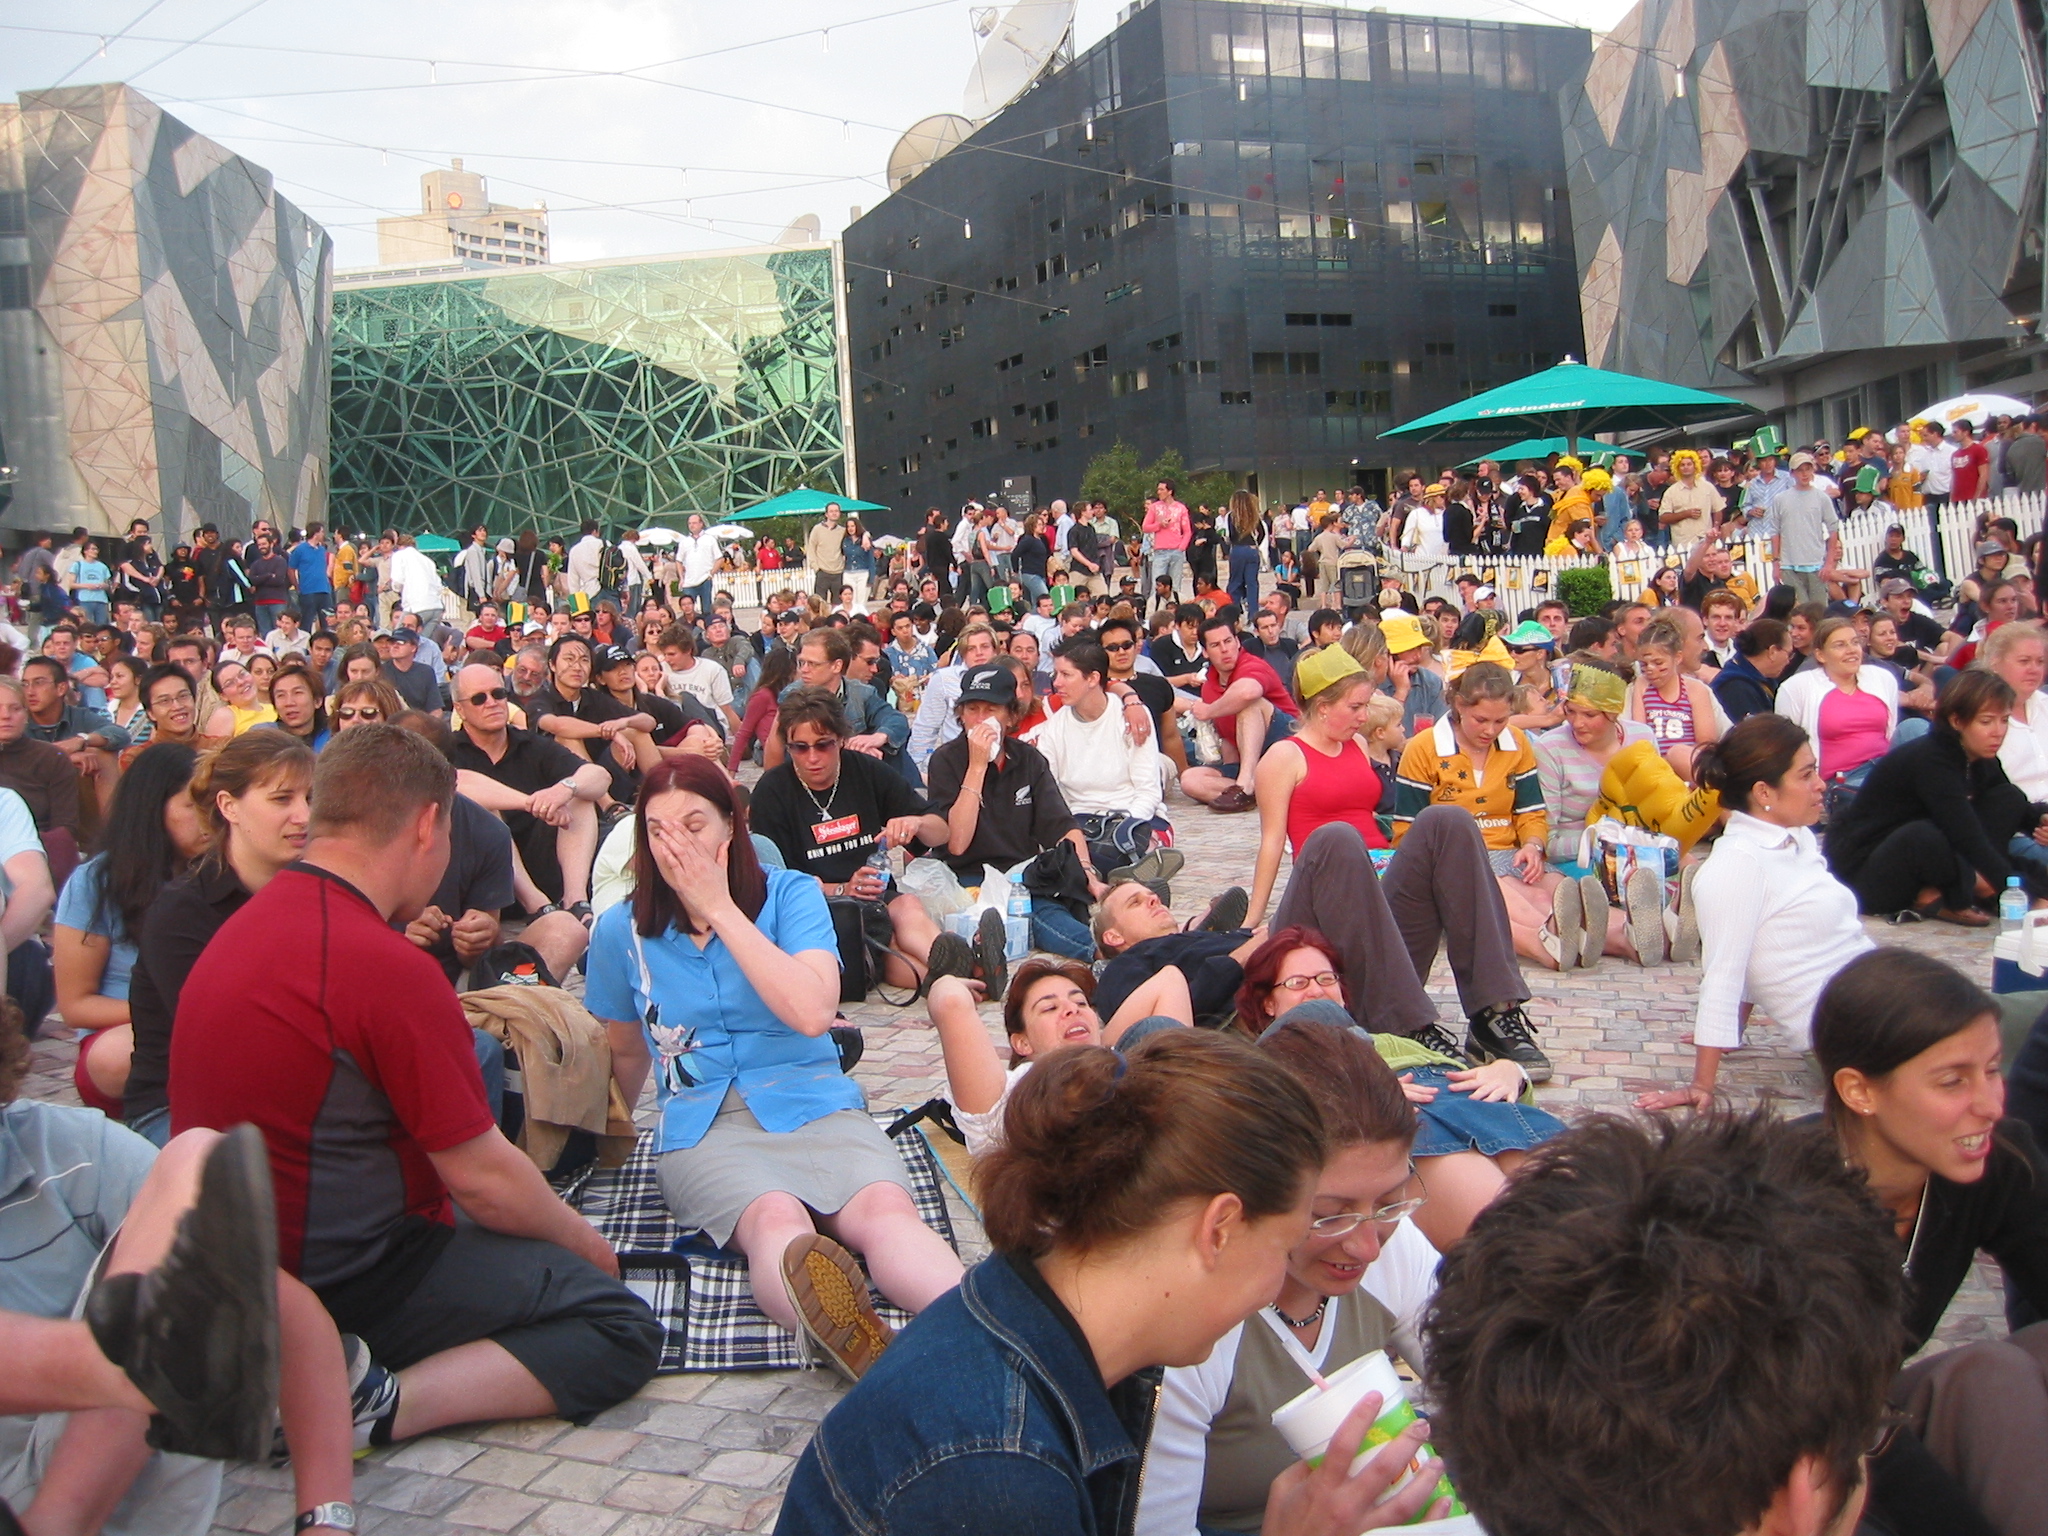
column 1234, row 397
column 1129, row 383
column 942, row 392
column 910, row 462
column 1439, row 349
column 494, row 242
column 1336, row 319
column 1287, row 362
column 1162, row 343
column 14, row 288
column 1187, row 146
column 1096, row 357
column 1052, row 267
column 1123, row 291
column 1500, row 311
column 1192, row 365
column 984, row 427
column 1014, row 360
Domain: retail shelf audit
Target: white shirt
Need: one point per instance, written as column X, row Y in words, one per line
column 1775, row 926
column 2024, row 757
column 637, row 572
column 984, row 1132
column 1098, row 770
column 418, row 583
column 1937, row 474
column 1402, row 1279
column 705, row 681
column 582, row 567
column 936, row 724
column 17, row 835
column 1423, row 536
column 1045, row 626
column 282, row 644
column 699, row 556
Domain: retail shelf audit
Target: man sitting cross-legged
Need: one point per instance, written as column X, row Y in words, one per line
column 356, row 1061
column 1436, row 893
column 1243, row 697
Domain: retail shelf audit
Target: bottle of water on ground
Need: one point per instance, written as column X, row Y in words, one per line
column 2012, row 906
column 1017, row 924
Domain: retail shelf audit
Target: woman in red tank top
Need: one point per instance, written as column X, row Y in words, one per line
column 1321, row 774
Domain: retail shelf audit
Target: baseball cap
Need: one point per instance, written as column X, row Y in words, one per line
column 1801, row 457
column 1894, row 586
column 1319, row 669
column 989, row 685
column 401, row 636
column 1402, row 632
column 605, row 657
column 1482, row 591
column 1526, row 634
column 1991, row 547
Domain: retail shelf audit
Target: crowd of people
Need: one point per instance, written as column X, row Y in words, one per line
column 1224, row 1155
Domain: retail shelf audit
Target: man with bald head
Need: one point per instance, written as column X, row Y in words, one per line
column 546, row 794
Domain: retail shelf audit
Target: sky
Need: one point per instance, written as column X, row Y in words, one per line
column 645, row 127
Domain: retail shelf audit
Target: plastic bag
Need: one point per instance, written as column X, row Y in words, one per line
column 1614, row 852
column 933, row 883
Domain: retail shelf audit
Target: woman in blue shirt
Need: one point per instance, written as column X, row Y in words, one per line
column 723, row 980
column 153, row 833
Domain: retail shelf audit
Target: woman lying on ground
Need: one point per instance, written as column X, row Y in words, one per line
column 1141, row 1208
column 723, row 980
column 1910, row 1051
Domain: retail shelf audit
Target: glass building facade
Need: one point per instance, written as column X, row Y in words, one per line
column 608, row 391
column 1260, row 234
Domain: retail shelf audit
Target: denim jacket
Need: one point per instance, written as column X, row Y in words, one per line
column 987, row 1415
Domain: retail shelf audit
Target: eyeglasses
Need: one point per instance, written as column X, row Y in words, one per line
column 1346, row 1222
column 367, row 712
column 1303, row 983
column 822, row 744
column 478, row 700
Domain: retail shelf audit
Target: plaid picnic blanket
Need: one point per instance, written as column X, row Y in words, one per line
column 701, row 1293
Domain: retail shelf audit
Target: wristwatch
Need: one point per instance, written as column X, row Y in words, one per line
column 333, row 1515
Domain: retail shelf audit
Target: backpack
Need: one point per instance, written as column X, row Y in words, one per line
column 611, row 569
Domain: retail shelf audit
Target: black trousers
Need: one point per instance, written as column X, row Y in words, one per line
column 1912, row 858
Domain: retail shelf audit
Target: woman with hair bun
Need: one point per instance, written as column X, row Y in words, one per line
column 1910, row 1051
column 1774, row 923
column 1141, row 1207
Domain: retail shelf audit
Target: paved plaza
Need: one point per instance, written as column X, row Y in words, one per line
column 711, row 1453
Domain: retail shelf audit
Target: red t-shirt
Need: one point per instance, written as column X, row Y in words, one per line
column 1268, row 680
column 343, row 1042
column 1968, row 466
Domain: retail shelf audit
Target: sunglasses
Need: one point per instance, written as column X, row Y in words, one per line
column 1122, row 645
column 822, row 744
column 367, row 712
column 478, row 700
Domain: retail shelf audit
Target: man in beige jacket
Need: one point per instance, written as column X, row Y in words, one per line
column 825, row 553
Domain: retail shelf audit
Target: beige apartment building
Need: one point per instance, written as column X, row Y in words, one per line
column 458, row 221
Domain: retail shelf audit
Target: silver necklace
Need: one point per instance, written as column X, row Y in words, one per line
column 824, row 806
column 1919, row 1220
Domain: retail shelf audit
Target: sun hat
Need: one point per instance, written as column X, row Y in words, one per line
column 1528, row 633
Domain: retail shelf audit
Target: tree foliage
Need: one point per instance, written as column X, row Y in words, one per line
column 1116, row 477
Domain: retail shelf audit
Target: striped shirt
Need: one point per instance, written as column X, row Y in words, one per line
column 1571, row 783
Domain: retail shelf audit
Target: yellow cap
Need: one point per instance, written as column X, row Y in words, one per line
column 1402, row 632
column 1319, row 669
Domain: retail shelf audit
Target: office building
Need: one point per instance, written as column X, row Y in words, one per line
column 1832, row 211
column 1259, row 234
column 458, row 221
column 163, row 324
column 609, row 390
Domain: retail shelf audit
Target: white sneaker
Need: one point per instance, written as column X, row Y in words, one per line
column 1685, row 937
column 1644, row 900
column 1593, row 901
column 1569, row 921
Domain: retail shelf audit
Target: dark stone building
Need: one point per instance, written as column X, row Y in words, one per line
column 1260, row 234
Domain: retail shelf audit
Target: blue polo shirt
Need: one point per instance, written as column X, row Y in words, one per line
column 787, row 1079
column 67, row 1177
column 309, row 566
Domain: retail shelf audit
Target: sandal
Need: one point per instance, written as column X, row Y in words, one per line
column 580, row 910
column 547, row 911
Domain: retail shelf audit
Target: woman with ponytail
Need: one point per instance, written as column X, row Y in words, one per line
column 1140, row 1207
column 1775, row 924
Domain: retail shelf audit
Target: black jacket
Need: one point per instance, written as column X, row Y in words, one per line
column 1976, row 807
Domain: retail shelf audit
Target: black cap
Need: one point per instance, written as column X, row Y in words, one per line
column 989, row 685
column 404, row 637
column 605, row 657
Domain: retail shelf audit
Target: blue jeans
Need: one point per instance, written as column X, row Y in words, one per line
column 1169, row 563
column 1056, row 929
column 1034, row 586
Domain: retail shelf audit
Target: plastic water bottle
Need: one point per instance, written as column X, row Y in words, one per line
column 1017, row 923
column 878, row 861
column 2012, row 906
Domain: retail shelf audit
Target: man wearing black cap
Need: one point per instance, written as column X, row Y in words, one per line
column 413, row 680
column 1003, row 806
column 682, row 724
column 1895, row 562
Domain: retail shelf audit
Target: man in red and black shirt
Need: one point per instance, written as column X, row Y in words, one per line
column 1251, row 709
column 355, row 1060
column 1969, row 465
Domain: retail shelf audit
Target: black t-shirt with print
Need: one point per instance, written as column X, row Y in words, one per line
column 834, row 842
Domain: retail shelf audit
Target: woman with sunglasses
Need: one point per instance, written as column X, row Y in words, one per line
column 1531, row 648
column 1474, row 1131
column 1910, row 1052
column 1357, row 1282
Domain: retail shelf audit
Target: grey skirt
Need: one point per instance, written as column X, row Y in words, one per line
column 823, row 1164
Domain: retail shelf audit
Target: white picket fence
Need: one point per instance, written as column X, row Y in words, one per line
column 1947, row 540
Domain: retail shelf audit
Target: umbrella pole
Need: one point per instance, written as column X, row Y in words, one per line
column 1571, row 435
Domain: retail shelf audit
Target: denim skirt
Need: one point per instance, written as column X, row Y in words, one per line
column 1457, row 1122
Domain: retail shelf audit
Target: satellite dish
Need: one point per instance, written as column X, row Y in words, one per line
column 925, row 142
column 804, row 229
column 1017, row 49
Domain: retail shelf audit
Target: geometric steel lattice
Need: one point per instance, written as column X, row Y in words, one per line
column 611, row 391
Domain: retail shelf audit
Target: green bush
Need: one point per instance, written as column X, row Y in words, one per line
column 1586, row 590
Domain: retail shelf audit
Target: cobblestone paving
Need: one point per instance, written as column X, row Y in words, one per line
column 697, row 1454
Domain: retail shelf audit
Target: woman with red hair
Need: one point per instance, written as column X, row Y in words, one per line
column 723, row 979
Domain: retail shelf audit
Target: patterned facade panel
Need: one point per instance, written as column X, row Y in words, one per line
column 187, row 302
column 611, row 391
column 1845, row 44
column 1991, row 102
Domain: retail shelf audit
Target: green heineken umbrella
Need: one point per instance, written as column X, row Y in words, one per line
column 804, row 504
column 435, row 544
column 1570, row 401
column 1537, row 448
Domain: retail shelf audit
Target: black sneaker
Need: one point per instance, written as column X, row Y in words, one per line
column 373, row 1398
column 950, row 955
column 198, row 1334
column 991, row 943
column 1495, row 1034
column 1436, row 1038
column 1227, row 912
column 852, row 1045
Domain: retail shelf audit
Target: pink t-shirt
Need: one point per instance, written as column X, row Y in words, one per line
column 1852, row 731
